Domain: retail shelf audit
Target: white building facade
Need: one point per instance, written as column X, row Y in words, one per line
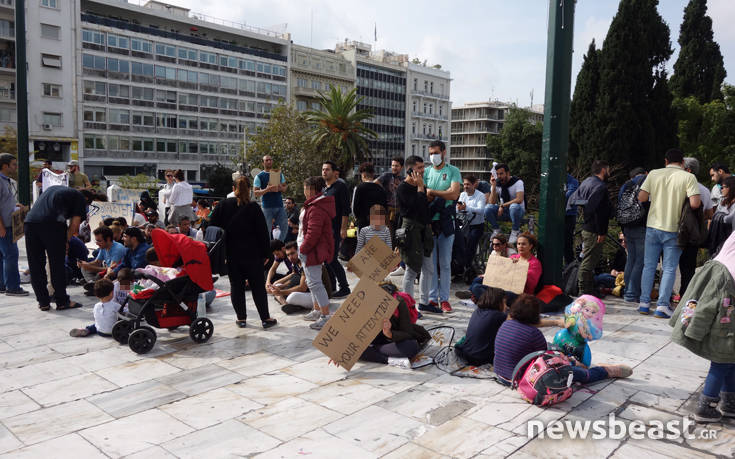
column 428, row 110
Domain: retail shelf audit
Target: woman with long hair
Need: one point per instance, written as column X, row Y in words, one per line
column 247, row 246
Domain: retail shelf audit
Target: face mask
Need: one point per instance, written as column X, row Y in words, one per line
column 436, row 159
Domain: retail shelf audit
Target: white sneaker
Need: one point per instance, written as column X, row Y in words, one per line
column 513, row 236
column 495, row 233
column 320, row 323
column 400, row 362
column 313, row 315
column 399, row 271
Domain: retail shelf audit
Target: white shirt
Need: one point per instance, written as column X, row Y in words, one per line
column 231, row 194
column 105, row 316
column 704, row 195
column 182, row 194
column 300, row 236
column 166, row 192
column 512, row 190
column 476, row 204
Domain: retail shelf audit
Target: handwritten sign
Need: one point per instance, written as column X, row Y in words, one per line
column 274, row 178
column 374, row 261
column 126, row 195
column 99, row 211
column 501, row 272
column 355, row 324
column 17, row 218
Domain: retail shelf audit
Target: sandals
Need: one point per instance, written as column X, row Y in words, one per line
column 75, row 305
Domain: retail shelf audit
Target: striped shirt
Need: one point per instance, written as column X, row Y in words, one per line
column 514, row 341
column 368, row 232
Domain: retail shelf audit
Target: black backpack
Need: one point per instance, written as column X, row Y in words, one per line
column 631, row 211
column 569, row 274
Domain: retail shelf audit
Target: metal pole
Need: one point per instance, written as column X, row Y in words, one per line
column 21, row 91
column 556, row 137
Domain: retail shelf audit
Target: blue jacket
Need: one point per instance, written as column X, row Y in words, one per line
column 571, row 187
column 134, row 259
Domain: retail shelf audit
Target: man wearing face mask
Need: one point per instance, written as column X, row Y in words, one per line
column 593, row 196
column 442, row 181
column 505, row 202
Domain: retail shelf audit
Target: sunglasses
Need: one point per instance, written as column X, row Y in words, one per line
column 169, row 176
column 497, row 244
column 621, row 240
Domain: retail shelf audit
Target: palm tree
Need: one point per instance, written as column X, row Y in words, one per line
column 339, row 127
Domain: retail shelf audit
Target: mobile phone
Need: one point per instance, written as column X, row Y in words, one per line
column 409, row 171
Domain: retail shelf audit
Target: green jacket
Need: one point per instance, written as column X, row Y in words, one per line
column 710, row 332
column 419, row 243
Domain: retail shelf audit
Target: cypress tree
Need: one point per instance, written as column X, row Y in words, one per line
column 663, row 117
column 699, row 70
column 583, row 125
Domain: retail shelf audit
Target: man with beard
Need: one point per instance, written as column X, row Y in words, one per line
column 592, row 195
column 390, row 181
column 505, row 202
column 718, row 172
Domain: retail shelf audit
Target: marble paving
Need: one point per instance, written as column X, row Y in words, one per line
column 251, row 392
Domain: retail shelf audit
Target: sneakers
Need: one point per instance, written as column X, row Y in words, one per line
column 320, row 323
column 644, row 309
column 18, row 292
column 430, row 308
column 463, row 294
column 727, row 405
column 618, row 371
column 446, row 307
column 663, row 312
column 400, row 362
column 398, row 272
column 341, row 293
column 315, row 314
column 513, row 238
column 706, row 410
column 78, row 332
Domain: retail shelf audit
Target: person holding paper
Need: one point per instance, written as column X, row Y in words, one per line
column 526, row 244
column 272, row 198
column 9, row 275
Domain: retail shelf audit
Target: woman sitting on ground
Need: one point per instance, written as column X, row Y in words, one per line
column 500, row 247
column 518, row 337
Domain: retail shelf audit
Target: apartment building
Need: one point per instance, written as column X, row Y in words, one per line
column 7, row 65
column 429, row 110
column 314, row 71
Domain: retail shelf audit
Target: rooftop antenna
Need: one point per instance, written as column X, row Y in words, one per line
column 532, row 98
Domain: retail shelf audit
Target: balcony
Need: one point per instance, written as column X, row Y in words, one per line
column 305, row 92
column 429, row 137
column 432, row 116
column 416, row 92
column 7, row 94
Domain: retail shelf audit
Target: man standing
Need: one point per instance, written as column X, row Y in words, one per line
column 442, row 181
column 472, row 200
column 9, row 275
column 77, row 178
column 338, row 189
column 367, row 194
column 667, row 189
column 272, row 199
column 47, row 232
column 292, row 214
column 390, row 181
column 718, row 172
column 39, row 178
column 180, row 199
column 634, row 232
column 592, row 195
column 506, row 202
column 166, row 194
column 688, row 259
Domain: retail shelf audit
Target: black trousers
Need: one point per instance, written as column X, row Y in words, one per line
column 570, row 222
column 42, row 239
column 240, row 270
column 687, row 266
column 334, row 267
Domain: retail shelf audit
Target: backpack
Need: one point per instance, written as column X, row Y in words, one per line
column 630, row 210
column 544, row 378
column 569, row 275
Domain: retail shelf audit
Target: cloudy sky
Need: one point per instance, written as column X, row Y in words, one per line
column 494, row 49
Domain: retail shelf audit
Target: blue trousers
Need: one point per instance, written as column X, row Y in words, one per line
column 721, row 378
column 9, row 276
column 635, row 239
column 279, row 215
column 442, row 276
column 514, row 214
column 658, row 241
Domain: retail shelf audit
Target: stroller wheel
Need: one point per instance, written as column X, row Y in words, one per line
column 141, row 340
column 201, row 330
column 121, row 330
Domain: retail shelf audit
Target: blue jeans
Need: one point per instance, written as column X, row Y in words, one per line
column 635, row 240
column 588, row 376
column 658, row 241
column 605, row 280
column 279, row 215
column 514, row 215
column 442, row 276
column 473, row 238
column 721, row 378
column 9, row 275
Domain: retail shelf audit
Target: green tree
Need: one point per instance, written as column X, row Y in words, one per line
column 636, row 46
column 699, row 70
column 220, row 180
column 519, row 146
column 338, row 130
column 664, row 121
column 287, row 139
column 584, row 128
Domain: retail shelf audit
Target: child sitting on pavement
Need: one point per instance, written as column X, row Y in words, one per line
column 123, row 284
column 105, row 312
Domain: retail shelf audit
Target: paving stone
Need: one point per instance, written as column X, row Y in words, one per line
column 289, row 418
column 16, row 402
column 210, row 408
column 136, row 398
column 70, row 446
column 136, row 372
column 69, row 389
column 318, row 443
column 229, row 439
column 477, row 437
column 202, row 379
column 56, row 421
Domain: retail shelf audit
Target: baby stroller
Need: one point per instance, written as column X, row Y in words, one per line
column 175, row 302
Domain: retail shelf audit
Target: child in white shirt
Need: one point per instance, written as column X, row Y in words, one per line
column 376, row 228
column 105, row 312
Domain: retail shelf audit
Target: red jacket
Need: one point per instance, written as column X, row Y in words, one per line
column 318, row 245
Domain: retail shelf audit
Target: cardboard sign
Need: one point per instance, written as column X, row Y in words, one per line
column 502, row 273
column 355, row 324
column 126, row 195
column 17, row 218
column 99, row 211
column 374, row 261
column 274, row 178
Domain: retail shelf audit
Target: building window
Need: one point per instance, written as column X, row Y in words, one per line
column 53, row 61
column 54, row 119
column 187, row 53
column 426, row 86
column 165, row 50
column 92, row 36
column 441, row 110
column 413, row 148
column 441, row 89
column 50, row 31
column 118, row 65
column 142, row 69
column 431, row 109
column 425, row 108
column 116, row 41
column 119, row 90
column 137, row 44
column 413, row 128
column 415, row 84
column 94, row 115
column 97, row 88
column 88, row 61
column 49, row 3
column 301, row 106
column 423, row 150
column 431, row 87
column 7, row 115
column 316, row 85
column 51, row 90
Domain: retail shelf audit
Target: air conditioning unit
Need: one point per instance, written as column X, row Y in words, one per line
column 47, row 127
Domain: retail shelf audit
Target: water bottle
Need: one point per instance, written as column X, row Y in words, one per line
column 493, row 172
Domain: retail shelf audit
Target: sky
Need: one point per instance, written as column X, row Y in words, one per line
column 494, row 49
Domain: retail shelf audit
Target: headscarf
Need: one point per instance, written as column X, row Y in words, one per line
column 727, row 254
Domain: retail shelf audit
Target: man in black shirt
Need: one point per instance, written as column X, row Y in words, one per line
column 366, row 195
column 338, row 189
column 47, row 232
column 292, row 214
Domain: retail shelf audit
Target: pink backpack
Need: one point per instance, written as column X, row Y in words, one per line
column 544, row 378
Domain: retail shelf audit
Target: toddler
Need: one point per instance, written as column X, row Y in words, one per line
column 105, row 312
column 376, row 228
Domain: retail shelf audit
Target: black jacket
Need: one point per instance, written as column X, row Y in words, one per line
column 593, row 196
column 412, row 204
column 367, row 194
column 246, row 232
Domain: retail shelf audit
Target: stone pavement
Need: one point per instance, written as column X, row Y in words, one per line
column 251, row 392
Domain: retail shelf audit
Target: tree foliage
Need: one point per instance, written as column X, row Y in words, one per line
column 584, row 129
column 9, row 141
column 220, row 180
column 699, row 70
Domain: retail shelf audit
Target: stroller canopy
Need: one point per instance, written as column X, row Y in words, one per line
column 193, row 254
